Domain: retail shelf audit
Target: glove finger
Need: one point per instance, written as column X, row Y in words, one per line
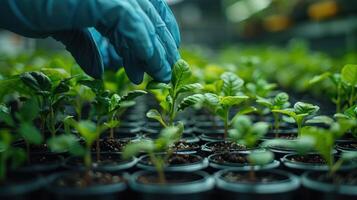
column 128, row 27
column 110, row 57
column 168, row 17
column 158, row 67
column 81, row 44
column 165, row 37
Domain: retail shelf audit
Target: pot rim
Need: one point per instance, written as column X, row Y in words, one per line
column 291, row 183
column 23, row 188
column 197, row 186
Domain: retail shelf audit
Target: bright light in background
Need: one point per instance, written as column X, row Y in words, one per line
column 242, row 10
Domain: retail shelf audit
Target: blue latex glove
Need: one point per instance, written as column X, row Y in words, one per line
column 143, row 34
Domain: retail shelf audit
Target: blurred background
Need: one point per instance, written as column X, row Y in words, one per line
column 326, row 25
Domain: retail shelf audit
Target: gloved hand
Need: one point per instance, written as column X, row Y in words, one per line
column 143, row 34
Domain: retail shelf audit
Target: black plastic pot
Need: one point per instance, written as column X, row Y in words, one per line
column 198, row 187
column 202, row 164
column 300, row 167
column 341, row 146
column 55, row 163
column 95, row 192
column 75, row 163
column 318, row 189
column 282, row 189
column 22, row 187
column 238, row 166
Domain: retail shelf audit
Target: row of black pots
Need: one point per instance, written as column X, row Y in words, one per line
column 229, row 184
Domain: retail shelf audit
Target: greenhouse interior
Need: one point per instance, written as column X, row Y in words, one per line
column 178, row 99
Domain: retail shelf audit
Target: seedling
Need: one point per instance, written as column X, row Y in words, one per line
column 279, row 102
column 345, row 85
column 228, row 95
column 9, row 155
column 49, row 96
column 259, row 88
column 351, row 114
column 248, row 134
column 324, row 142
column 168, row 137
column 299, row 113
column 173, row 96
column 23, row 123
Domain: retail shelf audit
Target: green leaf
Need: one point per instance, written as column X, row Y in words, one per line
column 62, row 87
column 287, row 111
column 154, row 114
column 62, row 143
column 133, row 94
column 29, row 111
column 181, row 72
column 190, row 101
column 190, row 87
column 323, row 119
column 281, row 100
column 30, row 133
column 112, row 123
column 232, row 100
column 305, row 108
column 260, row 157
column 37, row 81
column 55, row 74
column 154, row 85
column 89, row 131
column 97, row 86
column 349, row 74
column 319, row 78
column 231, row 84
column 134, row 148
column 265, row 102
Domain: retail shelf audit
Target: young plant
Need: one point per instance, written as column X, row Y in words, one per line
column 279, row 102
column 324, row 141
column 299, row 113
column 50, row 97
column 227, row 95
column 351, row 114
column 9, row 155
column 168, row 137
column 246, row 133
column 23, row 123
column 173, row 96
column 345, row 86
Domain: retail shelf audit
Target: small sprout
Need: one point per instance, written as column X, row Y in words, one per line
column 299, row 113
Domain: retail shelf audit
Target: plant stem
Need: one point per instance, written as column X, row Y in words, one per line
column 335, row 167
column 276, row 124
column 159, row 168
column 226, row 125
column 351, row 103
column 338, row 98
column 88, row 159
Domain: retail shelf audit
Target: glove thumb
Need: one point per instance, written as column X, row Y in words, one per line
column 84, row 49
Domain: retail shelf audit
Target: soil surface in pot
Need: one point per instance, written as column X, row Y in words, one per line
column 35, row 159
column 83, row 180
column 245, row 177
column 338, row 178
column 352, row 145
column 287, row 136
column 185, row 146
column 171, row 178
column 230, row 158
column 111, row 145
column 176, row 159
column 311, row 159
column 105, row 160
column 225, row 146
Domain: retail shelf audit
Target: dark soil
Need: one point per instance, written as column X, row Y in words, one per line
column 225, row 146
column 345, row 178
column 311, row 159
column 111, row 145
column 184, row 146
column 288, row 136
column 352, row 145
column 260, row 177
column 44, row 159
column 83, row 180
column 105, row 159
column 230, row 158
column 171, row 178
column 177, row 159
